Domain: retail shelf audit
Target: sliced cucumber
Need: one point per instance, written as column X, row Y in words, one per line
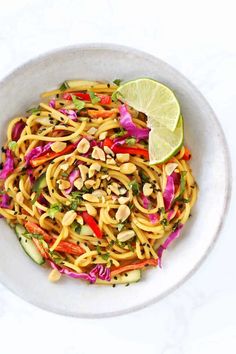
column 78, row 83
column 129, row 277
column 40, row 183
column 28, row 245
column 86, row 231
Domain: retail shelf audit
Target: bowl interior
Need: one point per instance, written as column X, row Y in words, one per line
column 203, row 136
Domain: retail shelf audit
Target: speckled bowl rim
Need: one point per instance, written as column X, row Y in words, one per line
column 225, row 149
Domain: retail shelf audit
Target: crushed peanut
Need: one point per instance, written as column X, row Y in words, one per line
column 127, row 168
column 99, row 193
column 63, row 184
column 98, row 154
column 110, row 162
column 94, row 167
column 78, row 183
column 103, row 136
column 91, row 198
column 108, row 151
column 122, row 213
column 122, row 157
column 80, row 220
column 58, row 146
column 68, row 218
column 64, row 166
column 92, row 131
column 125, row 235
column 123, row 191
column 90, row 209
column 147, row 189
column 83, row 146
column 83, row 172
column 97, row 184
column 123, row 200
column 54, row 275
column 89, row 183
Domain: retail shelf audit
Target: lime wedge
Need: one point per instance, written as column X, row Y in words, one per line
column 154, row 99
column 164, row 143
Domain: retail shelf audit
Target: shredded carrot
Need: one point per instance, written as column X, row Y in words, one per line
column 138, row 265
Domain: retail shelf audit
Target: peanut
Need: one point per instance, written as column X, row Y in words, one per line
column 122, row 157
column 122, row 213
column 83, row 146
column 125, row 235
column 68, row 218
column 127, row 168
column 58, row 146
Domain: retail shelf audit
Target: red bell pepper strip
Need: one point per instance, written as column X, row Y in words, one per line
column 108, row 142
column 100, row 114
column 104, row 99
column 187, row 154
column 130, row 150
column 51, row 155
column 91, row 222
column 63, row 246
column 137, row 265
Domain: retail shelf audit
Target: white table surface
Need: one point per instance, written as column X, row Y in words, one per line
column 198, row 38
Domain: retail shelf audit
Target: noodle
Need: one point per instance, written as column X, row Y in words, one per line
column 79, row 186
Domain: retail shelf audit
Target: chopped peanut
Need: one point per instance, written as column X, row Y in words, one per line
column 91, row 198
column 54, row 275
column 78, row 183
column 83, row 146
column 122, row 213
column 147, row 189
column 58, row 146
column 68, row 218
column 98, row 154
column 90, row 209
column 122, row 157
column 125, row 235
column 83, row 172
column 127, row 168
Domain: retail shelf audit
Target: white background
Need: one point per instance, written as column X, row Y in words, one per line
column 198, row 38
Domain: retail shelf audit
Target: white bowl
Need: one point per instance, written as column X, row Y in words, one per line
column 210, row 164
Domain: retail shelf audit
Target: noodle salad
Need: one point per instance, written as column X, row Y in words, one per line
column 81, row 188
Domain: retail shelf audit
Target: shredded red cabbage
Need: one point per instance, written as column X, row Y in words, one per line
column 72, row 177
column 170, row 214
column 5, row 201
column 17, row 130
column 169, row 192
column 128, row 124
column 70, row 113
column 8, row 166
column 175, row 234
column 36, row 152
column 147, row 205
column 99, row 271
column 52, row 103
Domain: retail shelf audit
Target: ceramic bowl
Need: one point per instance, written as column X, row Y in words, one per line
column 210, row 165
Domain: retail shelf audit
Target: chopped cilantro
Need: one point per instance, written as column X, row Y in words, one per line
column 12, row 145
column 134, row 186
column 78, row 103
column 63, row 86
column 130, row 141
column 105, row 256
column 74, row 205
column 182, row 185
column 121, row 132
column 117, row 82
column 33, row 110
column 54, row 208
column 94, row 99
column 144, row 178
column 120, row 227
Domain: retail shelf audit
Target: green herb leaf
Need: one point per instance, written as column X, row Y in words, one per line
column 144, row 178
column 64, row 174
column 54, row 208
column 130, row 141
column 182, row 185
column 161, row 210
column 94, row 99
column 114, row 96
column 74, row 205
column 130, row 247
column 121, row 132
column 63, row 86
column 120, row 227
column 12, row 145
column 78, row 103
column 105, row 256
column 76, row 227
column 117, row 82
column 98, row 249
column 33, row 110
column 164, row 222
column 135, row 187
